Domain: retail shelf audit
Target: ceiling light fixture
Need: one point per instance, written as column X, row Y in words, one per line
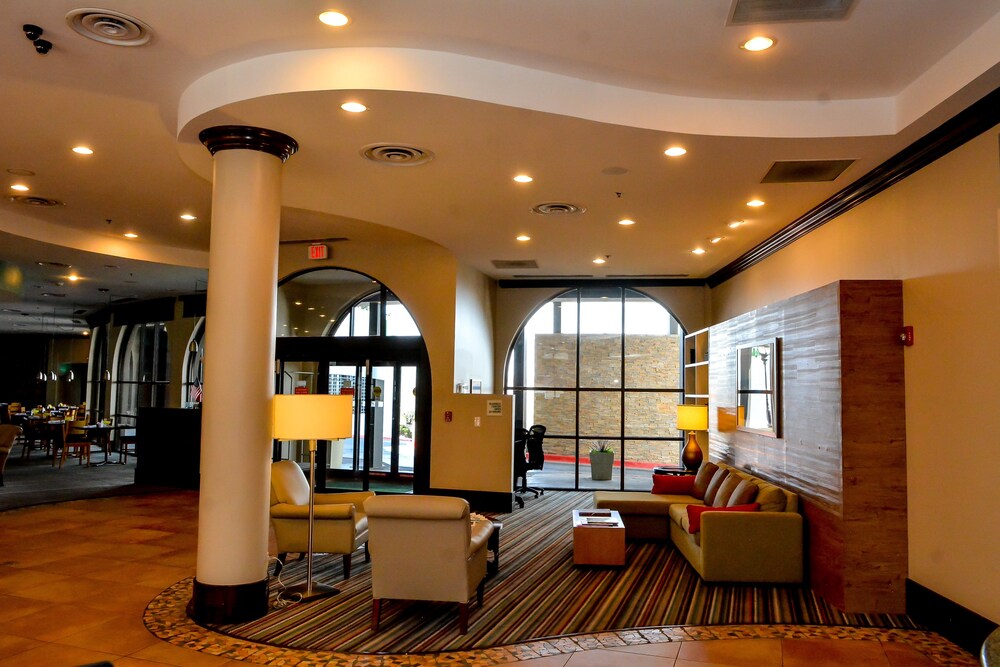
column 353, row 107
column 758, row 43
column 600, row 260
column 298, row 303
column 130, row 235
column 83, row 150
column 736, row 223
column 20, row 187
column 188, row 217
column 72, row 278
column 335, row 19
column 523, row 237
column 698, row 251
column 755, row 203
column 716, row 239
column 523, row 178
column 675, row 151
column 625, row 222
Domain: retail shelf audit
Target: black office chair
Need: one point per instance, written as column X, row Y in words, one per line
column 529, row 442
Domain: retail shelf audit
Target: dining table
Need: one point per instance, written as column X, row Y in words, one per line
column 100, row 435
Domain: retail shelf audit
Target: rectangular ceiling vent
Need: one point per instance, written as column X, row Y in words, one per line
column 776, row 11
column 805, row 171
column 515, row 264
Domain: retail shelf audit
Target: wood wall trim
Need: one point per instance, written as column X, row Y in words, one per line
column 965, row 126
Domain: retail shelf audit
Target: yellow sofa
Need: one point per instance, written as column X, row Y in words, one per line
column 763, row 546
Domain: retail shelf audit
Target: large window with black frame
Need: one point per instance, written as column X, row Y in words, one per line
column 601, row 369
column 143, row 372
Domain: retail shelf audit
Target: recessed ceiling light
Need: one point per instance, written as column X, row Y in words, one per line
column 72, row 278
column 311, row 308
column 523, row 178
column 298, row 303
column 20, row 187
column 353, row 107
column 335, row 19
column 83, row 150
column 86, row 332
column 600, row 260
column 523, row 237
column 736, row 223
column 130, row 235
column 698, row 251
column 675, row 151
column 188, row 216
column 322, row 315
column 715, row 239
column 758, row 43
column 625, row 222
column 755, row 203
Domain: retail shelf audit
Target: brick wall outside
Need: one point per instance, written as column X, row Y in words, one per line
column 652, row 362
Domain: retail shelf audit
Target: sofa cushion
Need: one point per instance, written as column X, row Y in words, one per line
column 713, row 487
column 726, row 490
column 694, row 513
column 772, row 498
column 676, row 484
column 745, row 493
column 679, row 515
column 629, row 502
column 701, row 480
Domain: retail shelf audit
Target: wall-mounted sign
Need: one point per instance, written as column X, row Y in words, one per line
column 494, row 408
column 318, row 251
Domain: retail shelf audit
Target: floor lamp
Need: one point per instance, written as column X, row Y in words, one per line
column 312, row 417
column 692, row 418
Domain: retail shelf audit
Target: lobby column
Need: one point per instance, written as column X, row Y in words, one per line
column 231, row 577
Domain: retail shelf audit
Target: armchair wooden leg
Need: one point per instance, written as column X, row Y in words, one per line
column 347, row 566
column 376, row 612
column 463, row 618
column 479, row 592
column 368, row 556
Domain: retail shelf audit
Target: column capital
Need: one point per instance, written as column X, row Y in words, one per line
column 228, row 137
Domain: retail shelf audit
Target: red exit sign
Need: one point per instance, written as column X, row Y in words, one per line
column 318, row 251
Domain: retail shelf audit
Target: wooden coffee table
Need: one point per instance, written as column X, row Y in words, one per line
column 598, row 538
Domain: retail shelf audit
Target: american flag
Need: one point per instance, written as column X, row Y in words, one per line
column 196, row 393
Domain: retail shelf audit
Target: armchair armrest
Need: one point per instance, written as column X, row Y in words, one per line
column 323, row 512
column 356, row 498
column 752, row 546
column 481, row 531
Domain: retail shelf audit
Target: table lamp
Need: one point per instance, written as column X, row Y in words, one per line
column 692, row 418
column 312, row 417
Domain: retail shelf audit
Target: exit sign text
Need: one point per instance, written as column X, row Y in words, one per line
column 318, row 251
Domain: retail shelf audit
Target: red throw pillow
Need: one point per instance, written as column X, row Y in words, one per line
column 673, row 484
column 695, row 512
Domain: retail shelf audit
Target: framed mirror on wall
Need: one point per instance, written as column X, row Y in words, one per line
column 758, row 379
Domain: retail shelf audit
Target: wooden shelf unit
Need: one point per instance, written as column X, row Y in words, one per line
column 696, row 367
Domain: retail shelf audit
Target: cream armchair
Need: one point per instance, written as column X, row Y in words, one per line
column 341, row 526
column 426, row 548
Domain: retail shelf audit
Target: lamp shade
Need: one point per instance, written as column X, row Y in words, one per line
column 692, row 417
column 312, row 416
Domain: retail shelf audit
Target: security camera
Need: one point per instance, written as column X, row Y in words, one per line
column 32, row 32
column 42, row 46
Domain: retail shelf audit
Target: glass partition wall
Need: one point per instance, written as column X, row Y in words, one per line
column 599, row 367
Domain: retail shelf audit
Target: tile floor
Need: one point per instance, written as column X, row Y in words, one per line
column 76, row 579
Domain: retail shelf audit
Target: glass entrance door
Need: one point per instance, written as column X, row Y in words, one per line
column 379, row 454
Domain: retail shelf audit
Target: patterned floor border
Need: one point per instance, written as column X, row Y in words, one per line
column 166, row 618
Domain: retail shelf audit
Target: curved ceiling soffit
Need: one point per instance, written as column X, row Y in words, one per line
column 449, row 74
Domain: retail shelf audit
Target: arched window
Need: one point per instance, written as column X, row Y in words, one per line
column 194, row 367
column 143, row 371
column 600, row 366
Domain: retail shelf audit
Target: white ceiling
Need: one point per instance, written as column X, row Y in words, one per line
column 565, row 91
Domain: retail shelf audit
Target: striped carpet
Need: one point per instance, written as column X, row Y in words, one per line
column 538, row 593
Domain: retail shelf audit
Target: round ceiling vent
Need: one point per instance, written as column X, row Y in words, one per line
column 109, row 26
column 399, row 155
column 557, row 208
column 31, row 200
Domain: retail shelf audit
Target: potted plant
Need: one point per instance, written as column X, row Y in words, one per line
column 602, row 459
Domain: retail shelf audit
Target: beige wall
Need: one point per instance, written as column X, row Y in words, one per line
column 937, row 231
column 474, row 328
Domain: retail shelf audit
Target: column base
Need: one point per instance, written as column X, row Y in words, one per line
column 237, row 603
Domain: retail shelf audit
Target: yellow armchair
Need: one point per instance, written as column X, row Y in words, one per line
column 341, row 526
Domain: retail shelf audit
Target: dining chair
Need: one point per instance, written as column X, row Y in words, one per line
column 8, row 434
column 76, row 437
